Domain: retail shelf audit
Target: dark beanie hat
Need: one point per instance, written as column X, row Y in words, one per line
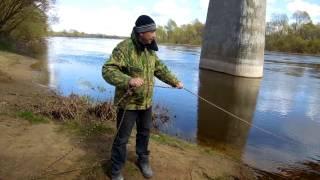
column 144, row 23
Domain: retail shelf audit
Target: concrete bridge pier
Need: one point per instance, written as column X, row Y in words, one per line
column 234, row 37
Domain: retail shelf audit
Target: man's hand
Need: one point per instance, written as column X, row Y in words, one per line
column 136, row 82
column 179, row 85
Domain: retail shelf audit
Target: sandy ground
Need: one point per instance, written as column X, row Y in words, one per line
column 27, row 149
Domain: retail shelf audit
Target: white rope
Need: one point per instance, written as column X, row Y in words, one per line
column 229, row 113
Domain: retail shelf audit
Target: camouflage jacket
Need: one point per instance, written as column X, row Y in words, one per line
column 129, row 59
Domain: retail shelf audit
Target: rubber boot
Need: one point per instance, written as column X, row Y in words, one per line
column 144, row 166
column 117, row 177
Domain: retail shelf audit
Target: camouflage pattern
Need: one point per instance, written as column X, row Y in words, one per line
column 129, row 60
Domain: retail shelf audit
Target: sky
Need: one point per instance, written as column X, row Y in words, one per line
column 117, row 17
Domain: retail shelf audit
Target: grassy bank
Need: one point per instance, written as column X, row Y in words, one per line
column 94, row 130
column 41, row 127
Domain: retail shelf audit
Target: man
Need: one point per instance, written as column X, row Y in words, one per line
column 132, row 66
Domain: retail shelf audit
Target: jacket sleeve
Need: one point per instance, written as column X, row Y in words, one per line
column 162, row 72
column 112, row 70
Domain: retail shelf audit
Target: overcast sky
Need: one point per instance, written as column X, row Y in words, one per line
column 117, row 17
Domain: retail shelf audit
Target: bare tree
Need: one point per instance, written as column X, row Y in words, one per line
column 279, row 23
column 13, row 12
column 300, row 18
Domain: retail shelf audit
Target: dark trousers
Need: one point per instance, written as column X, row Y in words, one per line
column 143, row 120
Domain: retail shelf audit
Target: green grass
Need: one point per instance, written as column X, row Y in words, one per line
column 171, row 141
column 88, row 129
column 32, row 118
column 94, row 129
column 181, row 144
column 71, row 127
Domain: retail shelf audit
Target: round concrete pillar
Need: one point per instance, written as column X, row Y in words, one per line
column 234, row 37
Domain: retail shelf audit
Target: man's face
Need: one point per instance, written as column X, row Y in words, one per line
column 147, row 37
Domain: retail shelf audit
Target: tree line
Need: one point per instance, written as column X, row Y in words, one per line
column 184, row 34
column 75, row 33
column 24, row 24
column 301, row 36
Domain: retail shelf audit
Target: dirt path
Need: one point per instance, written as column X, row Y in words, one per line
column 26, row 148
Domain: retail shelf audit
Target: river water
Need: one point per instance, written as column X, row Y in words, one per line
column 285, row 102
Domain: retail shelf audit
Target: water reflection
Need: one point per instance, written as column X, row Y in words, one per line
column 41, row 67
column 235, row 94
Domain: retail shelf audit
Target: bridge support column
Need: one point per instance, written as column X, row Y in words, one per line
column 234, row 37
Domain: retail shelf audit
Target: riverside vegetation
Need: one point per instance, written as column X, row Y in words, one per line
column 301, row 36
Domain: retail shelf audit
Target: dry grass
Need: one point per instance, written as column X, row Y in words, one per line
column 160, row 117
column 82, row 113
column 76, row 107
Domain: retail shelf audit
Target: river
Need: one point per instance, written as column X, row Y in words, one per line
column 283, row 107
